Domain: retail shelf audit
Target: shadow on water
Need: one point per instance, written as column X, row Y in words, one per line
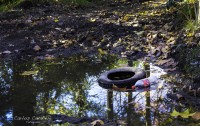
column 31, row 91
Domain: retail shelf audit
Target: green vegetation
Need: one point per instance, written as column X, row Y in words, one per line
column 188, row 13
column 188, row 60
column 7, row 5
column 190, row 26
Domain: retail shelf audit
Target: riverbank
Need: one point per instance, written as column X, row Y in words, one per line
column 144, row 30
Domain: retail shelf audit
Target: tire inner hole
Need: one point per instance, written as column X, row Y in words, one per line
column 120, row 75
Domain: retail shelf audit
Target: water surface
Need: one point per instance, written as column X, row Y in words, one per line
column 31, row 90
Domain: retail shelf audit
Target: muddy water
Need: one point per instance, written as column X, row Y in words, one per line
column 30, row 91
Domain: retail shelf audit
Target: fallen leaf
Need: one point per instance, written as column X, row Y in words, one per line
column 167, row 62
column 171, row 63
column 185, row 114
column 6, row 52
column 161, row 62
column 92, row 19
column 165, row 49
column 175, row 113
column 16, row 50
column 56, row 20
column 190, row 34
column 37, row 48
column 151, row 36
column 121, row 122
column 28, row 73
column 155, row 51
column 196, row 116
column 49, row 57
column 160, row 85
column 171, row 41
column 102, row 52
column 170, row 69
column 97, row 123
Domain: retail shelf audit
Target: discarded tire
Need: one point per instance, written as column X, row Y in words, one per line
column 121, row 77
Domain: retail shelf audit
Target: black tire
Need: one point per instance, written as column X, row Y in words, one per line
column 129, row 76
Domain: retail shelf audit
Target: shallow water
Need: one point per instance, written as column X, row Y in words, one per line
column 29, row 90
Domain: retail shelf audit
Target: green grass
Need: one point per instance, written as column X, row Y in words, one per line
column 5, row 6
column 191, row 26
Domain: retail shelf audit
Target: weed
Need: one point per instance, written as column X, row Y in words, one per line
column 7, row 5
column 190, row 26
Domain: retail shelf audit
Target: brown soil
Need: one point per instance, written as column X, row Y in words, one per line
column 127, row 29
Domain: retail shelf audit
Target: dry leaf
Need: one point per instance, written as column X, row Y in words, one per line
column 37, row 48
column 102, row 52
column 171, row 41
column 160, row 85
column 6, row 52
column 165, row 49
column 161, row 62
column 151, row 36
column 121, row 122
column 185, row 114
column 28, row 73
column 154, row 50
column 196, row 116
column 170, row 69
column 49, row 57
column 97, row 123
column 172, row 64
column 92, row 19
column 167, row 62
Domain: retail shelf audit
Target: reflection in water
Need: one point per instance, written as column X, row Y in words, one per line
column 110, row 104
column 148, row 111
column 6, row 75
column 69, row 87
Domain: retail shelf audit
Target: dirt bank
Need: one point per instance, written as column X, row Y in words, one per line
column 132, row 30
